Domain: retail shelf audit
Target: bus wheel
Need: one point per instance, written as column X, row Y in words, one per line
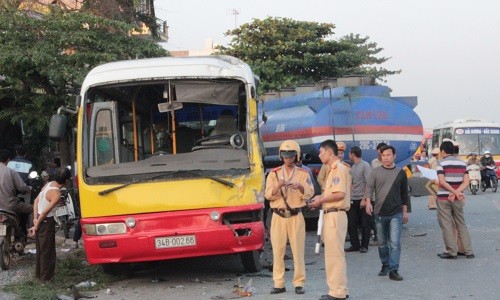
column 251, row 261
column 116, row 269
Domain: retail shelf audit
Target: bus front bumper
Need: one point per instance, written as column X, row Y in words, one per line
column 179, row 234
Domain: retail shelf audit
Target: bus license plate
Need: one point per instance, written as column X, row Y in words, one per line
column 3, row 230
column 175, row 241
column 61, row 211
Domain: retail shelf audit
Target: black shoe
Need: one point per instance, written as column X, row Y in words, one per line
column 351, row 249
column 363, row 250
column 447, row 255
column 328, row 297
column 393, row 275
column 299, row 290
column 471, row 256
column 461, row 254
column 278, row 290
column 384, row 271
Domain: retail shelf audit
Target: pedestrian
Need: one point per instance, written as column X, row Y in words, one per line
column 21, row 164
column 377, row 161
column 360, row 171
column 389, row 184
column 288, row 188
column 453, row 180
column 433, row 161
column 10, row 184
column 44, row 225
column 335, row 201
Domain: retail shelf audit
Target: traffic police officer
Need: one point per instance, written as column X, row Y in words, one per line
column 335, row 201
column 288, row 188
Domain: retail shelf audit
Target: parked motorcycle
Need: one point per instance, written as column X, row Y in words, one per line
column 65, row 213
column 475, row 178
column 12, row 240
column 491, row 177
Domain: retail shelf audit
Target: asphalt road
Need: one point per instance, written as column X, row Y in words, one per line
column 426, row 276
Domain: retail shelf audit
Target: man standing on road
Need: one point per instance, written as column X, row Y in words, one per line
column 288, row 188
column 21, row 164
column 10, row 184
column 390, row 185
column 335, row 202
column 453, row 180
column 360, row 171
column 433, row 161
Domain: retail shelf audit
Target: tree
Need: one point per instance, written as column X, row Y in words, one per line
column 43, row 62
column 286, row 52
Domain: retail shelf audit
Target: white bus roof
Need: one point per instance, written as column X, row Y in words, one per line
column 467, row 123
column 202, row 67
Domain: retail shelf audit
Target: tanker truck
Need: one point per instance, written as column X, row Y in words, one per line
column 353, row 110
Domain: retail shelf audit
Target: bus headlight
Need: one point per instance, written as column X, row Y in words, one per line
column 215, row 216
column 130, row 222
column 105, row 229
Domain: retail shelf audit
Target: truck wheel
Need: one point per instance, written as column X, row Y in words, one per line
column 251, row 261
column 5, row 257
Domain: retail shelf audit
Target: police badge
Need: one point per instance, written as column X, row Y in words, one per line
column 336, row 180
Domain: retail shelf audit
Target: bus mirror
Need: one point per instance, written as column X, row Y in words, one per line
column 57, row 127
column 169, row 106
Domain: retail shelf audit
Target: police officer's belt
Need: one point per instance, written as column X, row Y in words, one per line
column 285, row 213
column 333, row 209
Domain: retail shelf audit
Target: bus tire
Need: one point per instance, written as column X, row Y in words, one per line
column 117, row 269
column 251, row 261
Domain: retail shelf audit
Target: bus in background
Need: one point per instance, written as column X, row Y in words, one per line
column 169, row 161
column 473, row 136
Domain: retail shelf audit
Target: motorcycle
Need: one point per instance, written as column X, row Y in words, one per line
column 12, row 240
column 491, row 178
column 475, row 178
column 65, row 213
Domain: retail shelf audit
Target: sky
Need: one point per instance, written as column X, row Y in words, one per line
column 448, row 50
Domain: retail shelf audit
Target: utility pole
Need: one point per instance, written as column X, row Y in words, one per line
column 235, row 13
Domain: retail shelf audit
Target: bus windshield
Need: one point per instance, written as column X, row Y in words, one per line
column 478, row 140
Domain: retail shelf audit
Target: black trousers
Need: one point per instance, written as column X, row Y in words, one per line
column 357, row 216
column 46, row 250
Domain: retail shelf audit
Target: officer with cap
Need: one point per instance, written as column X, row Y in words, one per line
column 288, row 188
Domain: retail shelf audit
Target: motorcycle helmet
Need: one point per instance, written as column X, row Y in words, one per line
column 289, row 148
column 487, row 153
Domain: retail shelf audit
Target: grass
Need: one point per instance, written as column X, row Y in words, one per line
column 70, row 270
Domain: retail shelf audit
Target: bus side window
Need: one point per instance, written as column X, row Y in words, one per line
column 104, row 147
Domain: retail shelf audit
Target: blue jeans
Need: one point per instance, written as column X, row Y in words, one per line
column 389, row 239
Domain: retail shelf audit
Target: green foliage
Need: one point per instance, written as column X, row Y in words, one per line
column 44, row 60
column 286, row 52
column 70, row 271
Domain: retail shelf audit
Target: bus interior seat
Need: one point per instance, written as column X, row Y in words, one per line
column 226, row 124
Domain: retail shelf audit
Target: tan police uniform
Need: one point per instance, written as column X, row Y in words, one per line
column 288, row 227
column 335, row 229
column 431, row 202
